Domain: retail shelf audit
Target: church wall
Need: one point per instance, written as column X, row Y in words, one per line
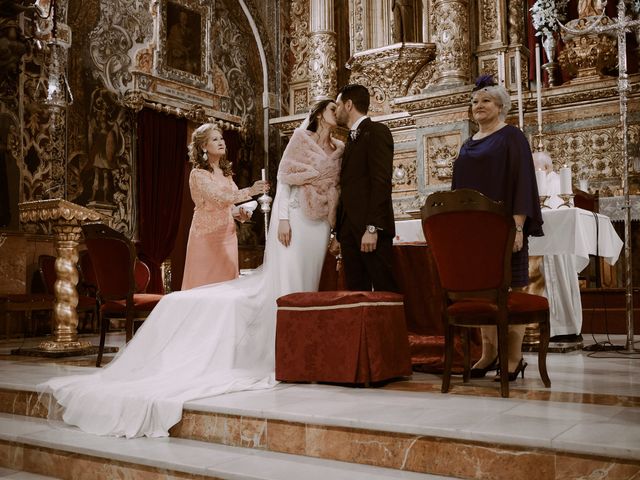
column 117, row 63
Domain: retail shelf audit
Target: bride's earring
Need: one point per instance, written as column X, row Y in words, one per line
column 205, row 155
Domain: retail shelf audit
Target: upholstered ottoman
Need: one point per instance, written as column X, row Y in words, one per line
column 341, row 337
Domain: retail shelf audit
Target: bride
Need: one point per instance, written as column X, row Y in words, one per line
column 217, row 338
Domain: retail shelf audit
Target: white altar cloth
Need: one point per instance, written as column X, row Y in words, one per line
column 573, row 231
column 409, row 231
column 569, row 238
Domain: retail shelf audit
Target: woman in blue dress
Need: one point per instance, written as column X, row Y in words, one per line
column 497, row 161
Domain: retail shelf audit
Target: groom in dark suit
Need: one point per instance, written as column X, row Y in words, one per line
column 365, row 226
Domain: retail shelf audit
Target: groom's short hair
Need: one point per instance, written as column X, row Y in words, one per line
column 358, row 94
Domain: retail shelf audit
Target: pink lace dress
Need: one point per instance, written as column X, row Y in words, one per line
column 212, row 250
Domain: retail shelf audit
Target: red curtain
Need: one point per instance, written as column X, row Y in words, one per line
column 162, row 149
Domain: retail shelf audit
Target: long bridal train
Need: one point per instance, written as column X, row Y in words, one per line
column 196, row 343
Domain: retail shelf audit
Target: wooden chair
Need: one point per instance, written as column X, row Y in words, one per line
column 113, row 258
column 592, row 273
column 471, row 238
column 87, row 304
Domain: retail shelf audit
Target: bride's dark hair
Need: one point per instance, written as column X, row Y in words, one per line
column 317, row 108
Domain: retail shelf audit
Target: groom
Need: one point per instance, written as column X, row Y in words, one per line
column 364, row 226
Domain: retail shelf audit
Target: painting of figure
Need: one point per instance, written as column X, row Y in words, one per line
column 183, row 39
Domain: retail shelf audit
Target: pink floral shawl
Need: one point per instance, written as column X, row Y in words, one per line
column 307, row 166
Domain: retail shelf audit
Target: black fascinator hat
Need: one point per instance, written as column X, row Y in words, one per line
column 484, row 81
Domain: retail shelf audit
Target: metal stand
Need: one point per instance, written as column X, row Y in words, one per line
column 265, row 207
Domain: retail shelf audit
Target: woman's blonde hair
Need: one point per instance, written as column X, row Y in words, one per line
column 199, row 137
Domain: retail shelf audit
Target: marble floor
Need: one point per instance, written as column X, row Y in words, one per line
column 592, row 409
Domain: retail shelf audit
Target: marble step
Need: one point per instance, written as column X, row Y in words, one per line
column 35, row 445
column 451, row 435
column 9, row 474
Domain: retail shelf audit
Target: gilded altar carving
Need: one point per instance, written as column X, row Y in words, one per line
column 300, row 99
column 433, row 103
column 322, row 64
column 299, row 48
column 490, row 30
column 357, row 25
column 590, row 54
column 452, row 41
column 299, row 45
column 389, row 72
column 594, row 154
column 489, row 65
column 516, row 26
column 440, row 151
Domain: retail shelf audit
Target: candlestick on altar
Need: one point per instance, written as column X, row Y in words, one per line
column 519, row 84
column 565, row 180
column 539, row 96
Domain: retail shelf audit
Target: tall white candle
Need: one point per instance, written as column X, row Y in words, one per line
column 519, row 83
column 541, row 180
column 263, row 174
column 538, row 88
column 500, row 68
column 565, row 180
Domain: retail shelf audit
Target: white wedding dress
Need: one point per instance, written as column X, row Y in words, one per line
column 198, row 343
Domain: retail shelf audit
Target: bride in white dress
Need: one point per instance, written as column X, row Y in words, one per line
column 217, row 338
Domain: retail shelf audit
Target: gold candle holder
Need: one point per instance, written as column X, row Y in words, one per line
column 543, row 202
column 566, row 199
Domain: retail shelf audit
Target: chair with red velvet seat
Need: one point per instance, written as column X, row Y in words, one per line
column 87, row 304
column 113, row 258
column 471, row 238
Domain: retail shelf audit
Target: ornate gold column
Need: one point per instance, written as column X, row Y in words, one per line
column 64, row 219
column 322, row 50
column 452, row 42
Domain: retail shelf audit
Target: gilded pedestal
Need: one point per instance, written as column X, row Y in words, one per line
column 64, row 219
column 587, row 56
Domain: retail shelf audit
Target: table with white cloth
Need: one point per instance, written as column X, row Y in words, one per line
column 570, row 236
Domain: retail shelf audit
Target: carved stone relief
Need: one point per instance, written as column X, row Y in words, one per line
column 440, row 151
column 405, row 178
column 390, row 72
column 123, row 25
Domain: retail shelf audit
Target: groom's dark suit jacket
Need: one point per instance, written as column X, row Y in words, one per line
column 365, row 181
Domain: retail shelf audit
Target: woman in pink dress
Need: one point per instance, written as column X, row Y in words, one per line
column 212, row 250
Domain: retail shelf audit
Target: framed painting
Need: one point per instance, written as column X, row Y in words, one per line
column 183, row 32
